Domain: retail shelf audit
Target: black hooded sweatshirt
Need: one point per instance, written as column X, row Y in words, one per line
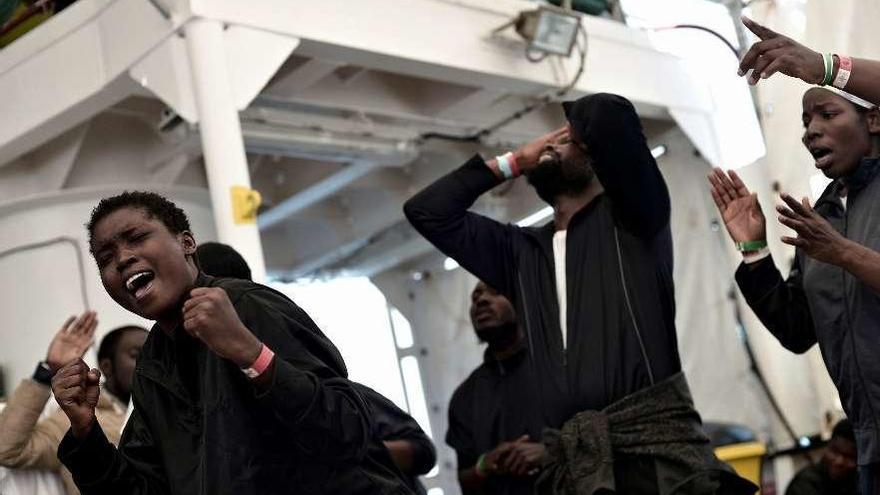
column 199, row 427
column 621, row 309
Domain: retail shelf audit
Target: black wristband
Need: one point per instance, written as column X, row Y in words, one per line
column 43, row 374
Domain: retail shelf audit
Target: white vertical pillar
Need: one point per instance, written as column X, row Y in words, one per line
column 222, row 142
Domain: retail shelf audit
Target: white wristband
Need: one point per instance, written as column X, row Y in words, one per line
column 504, row 166
column 844, row 70
column 841, row 79
column 756, row 256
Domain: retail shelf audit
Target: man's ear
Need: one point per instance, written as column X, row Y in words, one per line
column 873, row 120
column 106, row 367
column 188, row 241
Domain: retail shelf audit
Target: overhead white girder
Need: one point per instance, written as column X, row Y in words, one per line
column 97, row 41
column 252, row 56
column 102, row 49
column 457, row 47
column 315, row 193
column 72, row 67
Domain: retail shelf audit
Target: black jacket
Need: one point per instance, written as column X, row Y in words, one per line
column 494, row 404
column 814, row 480
column 621, row 308
column 200, row 428
column 392, row 423
column 823, row 303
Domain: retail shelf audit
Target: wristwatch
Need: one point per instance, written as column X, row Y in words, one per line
column 43, row 374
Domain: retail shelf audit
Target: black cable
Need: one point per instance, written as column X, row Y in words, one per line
column 704, row 29
column 540, row 103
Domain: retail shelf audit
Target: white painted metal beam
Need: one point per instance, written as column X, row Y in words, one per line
column 391, row 258
column 313, row 265
column 456, row 46
column 303, row 77
column 71, row 68
column 172, row 169
column 222, row 143
column 300, row 143
column 315, row 193
column 474, row 101
column 252, row 57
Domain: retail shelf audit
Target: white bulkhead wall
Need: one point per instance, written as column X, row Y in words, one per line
column 42, row 286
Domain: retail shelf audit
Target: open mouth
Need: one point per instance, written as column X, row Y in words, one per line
column 484, row 315
column 822, row 156
column 140, row 283
column 547, row 156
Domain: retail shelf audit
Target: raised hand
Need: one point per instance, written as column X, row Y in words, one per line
column 527, row 155
column 778, row 53
column 739, row 208
column 72, row 340
column 815, row 236
column 76, row 389
column 208, row 315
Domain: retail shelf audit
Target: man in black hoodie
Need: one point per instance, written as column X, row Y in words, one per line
column 594, row 293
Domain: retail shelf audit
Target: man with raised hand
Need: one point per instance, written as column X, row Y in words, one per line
column 594, row 294
column 26, row 441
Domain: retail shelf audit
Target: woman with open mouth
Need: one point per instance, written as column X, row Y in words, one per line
column 831, row 294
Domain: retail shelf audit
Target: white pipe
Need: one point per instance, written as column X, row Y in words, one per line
column 222, row 143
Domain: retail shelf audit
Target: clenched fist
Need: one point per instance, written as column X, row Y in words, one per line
column 208, row 315
column 76, row 389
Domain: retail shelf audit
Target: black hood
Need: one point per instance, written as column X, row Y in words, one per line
column 584, row 112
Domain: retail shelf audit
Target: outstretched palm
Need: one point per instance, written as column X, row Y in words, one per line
column 739, row 208
column 72, row 340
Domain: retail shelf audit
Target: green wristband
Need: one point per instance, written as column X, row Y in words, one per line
column 750, row 245
column 480, row 468
column 828, row 62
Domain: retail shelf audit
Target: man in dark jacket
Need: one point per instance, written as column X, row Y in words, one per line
column 236, row 390
column 836, row 472
column 410, row 448
column 494, row 425
column 593, row 289
column 830, row 295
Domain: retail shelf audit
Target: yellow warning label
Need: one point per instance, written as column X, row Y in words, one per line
column 245, row 202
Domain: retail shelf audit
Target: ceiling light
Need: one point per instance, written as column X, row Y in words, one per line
column 536, row 217
column 450, row 264
column 658, row 151
column 549, row 29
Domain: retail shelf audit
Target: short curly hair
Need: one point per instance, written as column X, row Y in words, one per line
column 155, row 206
column 110, row 342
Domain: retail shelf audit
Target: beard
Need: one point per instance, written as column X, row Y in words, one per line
column 497, row 334
column 553, row 177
